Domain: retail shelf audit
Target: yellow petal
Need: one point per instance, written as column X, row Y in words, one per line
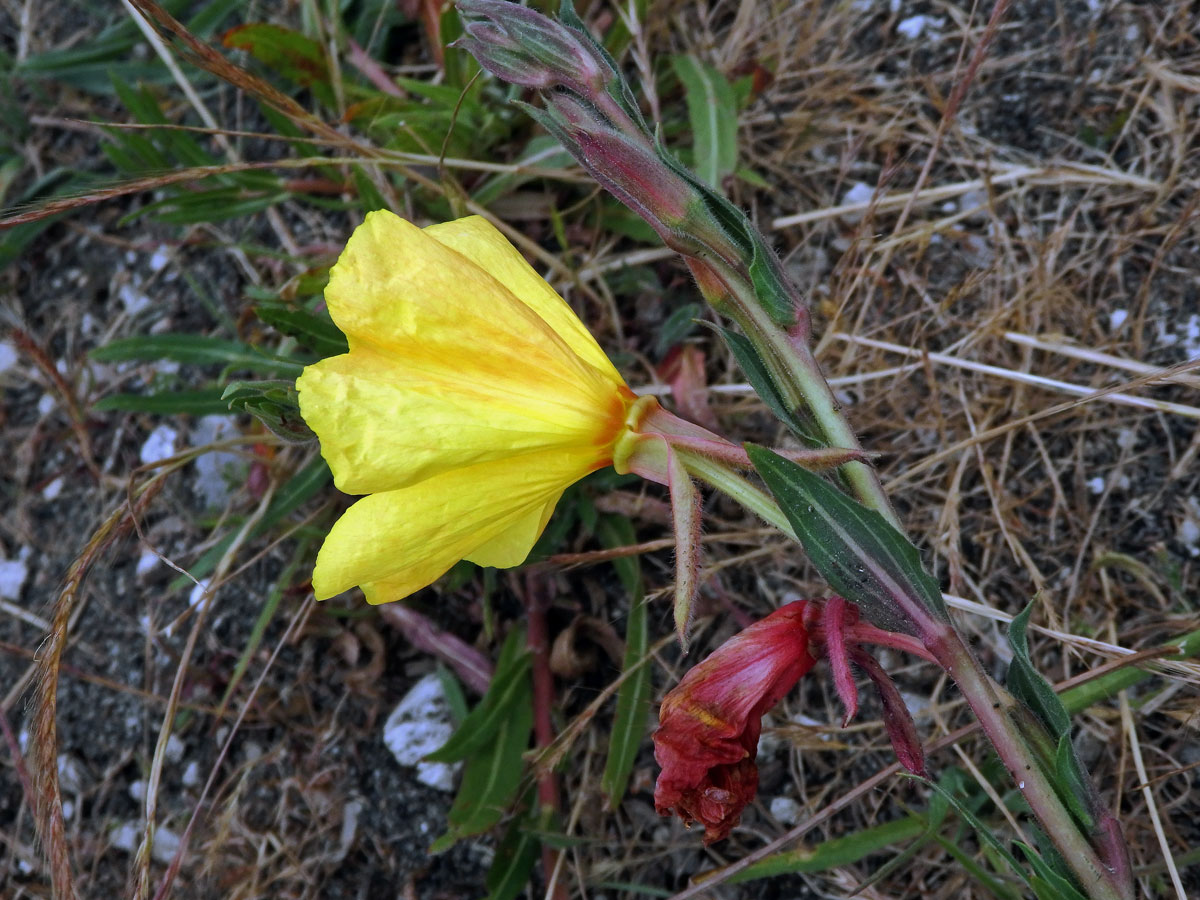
column 478, row 240
column 385, row 424
column 397, row 289
column 396, row 542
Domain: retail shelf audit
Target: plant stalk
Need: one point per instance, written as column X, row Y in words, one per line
column 993, row 708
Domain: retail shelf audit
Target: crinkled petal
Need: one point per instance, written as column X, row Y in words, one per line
column 397, row 542
column 385, row 425
column 710, row 722
column 479, row 241
column 398, row 289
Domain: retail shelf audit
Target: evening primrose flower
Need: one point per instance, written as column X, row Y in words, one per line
column 470, row 399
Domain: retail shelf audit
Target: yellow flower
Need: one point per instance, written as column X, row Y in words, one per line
column 471, row 398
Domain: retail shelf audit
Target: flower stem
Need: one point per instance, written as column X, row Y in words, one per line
column 994, row 708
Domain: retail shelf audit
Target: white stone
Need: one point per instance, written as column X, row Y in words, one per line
column 1191, row 336
column 860, row 192
column 220, row 473
column 198, row 590
column 70, row 775
column 46, row 404
column 54, row 488
column 1117, row 318
column 1188, row 532
column 68, row 809
column 159, row 258
column 137, row 790
column 191, row 774
column 1126, row 438
column 786, row 810
column 159, row 445
column 174, row 749
column 8, row 356
column 132, row 299
column 419, row 725
column 147, row 562
column 914, row 26
column 1096, row 485
column 13, row 573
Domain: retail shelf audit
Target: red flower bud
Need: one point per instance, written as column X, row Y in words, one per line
column 709, row 724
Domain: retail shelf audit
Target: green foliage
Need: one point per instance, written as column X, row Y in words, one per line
column 713, row 113
column 491, row 739
column 633, row 697
column 297, row 58
column 854, row 548
column 274, row 403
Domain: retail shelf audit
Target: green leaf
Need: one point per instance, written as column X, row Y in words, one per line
column 314, row 331
column 198, row 350
column 764, row 385
column 509, row 685
column 843, row 851
column 1072, row 783
column 1027, row 683
column 167, row 403
column 1046, row 883
column 492, row 776
column 712, row 110
column 296, row 57
column 515, row 857
column 857, row 551
column 274, row 403
column 633, row 697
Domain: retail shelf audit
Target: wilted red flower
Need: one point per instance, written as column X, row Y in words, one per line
column 709, row 724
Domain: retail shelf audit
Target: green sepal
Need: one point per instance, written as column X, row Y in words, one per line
column 274, row 403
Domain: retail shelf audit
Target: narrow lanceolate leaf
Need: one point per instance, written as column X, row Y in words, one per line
column 633, row 697
column 764, row 385
column 510, row 686
column 515, row 857
column 194, row 349
column 492, row 776
column 167, row 403
column 854, row 548
column 1027, row 683
column 712, row 110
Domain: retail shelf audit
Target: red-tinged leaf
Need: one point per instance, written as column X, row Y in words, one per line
column 835, row 621
column 896, row 718
column 292, row 55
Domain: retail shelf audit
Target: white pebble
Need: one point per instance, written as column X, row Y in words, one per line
column 54, row 488
column 159, row 445
column 1117, row 318
column 197, row 593
column 137, row 790
column 159, row 258
column 191, row 775
column 786, row 810
column 132, row 299
column 13, row 573
column 46, row 404
column 419, row 725
column 8, row 356
column 913, row 27
column 174, row 749
column 147, row 562
column 220, row 473
column 1096, row 485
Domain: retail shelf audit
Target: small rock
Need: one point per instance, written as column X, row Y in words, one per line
column 220, row 473
column 914, row 26
column 1117, row 318
column 191, row 774
column 13, row 573
column 53, row 489
column 159, row 258
column 174, row 749
column 147, row 562
column 786, row 810
column 159, row 445
column 137, row 790
column 419, row 725
column 1096, row 485
column 132, row 299
column 8, row 356
column 859, row 192
column 70, row 775
column 46, row 404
